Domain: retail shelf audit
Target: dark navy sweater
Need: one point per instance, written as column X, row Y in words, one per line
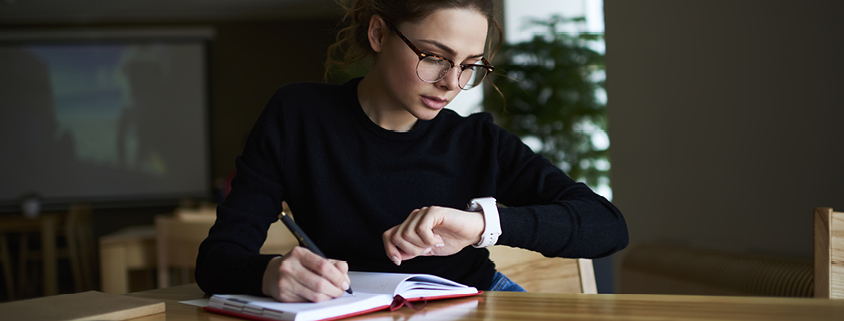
column 347, row 180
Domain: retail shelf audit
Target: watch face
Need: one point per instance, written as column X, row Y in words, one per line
column 473, row 206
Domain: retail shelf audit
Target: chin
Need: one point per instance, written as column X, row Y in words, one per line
column 427, row 114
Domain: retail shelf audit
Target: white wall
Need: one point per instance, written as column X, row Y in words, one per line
column 726, row 120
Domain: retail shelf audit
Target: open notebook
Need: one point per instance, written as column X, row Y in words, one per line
column 373, row 292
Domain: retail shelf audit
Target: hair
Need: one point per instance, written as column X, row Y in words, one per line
column 352, row 43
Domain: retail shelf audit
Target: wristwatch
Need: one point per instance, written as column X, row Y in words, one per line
column 492, row 223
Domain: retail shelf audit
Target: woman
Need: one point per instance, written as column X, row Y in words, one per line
column 378, row 172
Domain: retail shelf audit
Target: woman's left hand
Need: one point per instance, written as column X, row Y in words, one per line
column 433, row 230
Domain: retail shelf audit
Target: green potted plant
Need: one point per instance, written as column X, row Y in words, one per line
column 551, row 86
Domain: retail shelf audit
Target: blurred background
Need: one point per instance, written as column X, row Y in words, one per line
column 712, row 125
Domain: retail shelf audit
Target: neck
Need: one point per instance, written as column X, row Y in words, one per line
column 381, row 108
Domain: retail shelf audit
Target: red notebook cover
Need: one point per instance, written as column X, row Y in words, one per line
column 349, row 315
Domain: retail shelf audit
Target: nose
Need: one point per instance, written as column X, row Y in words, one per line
column 451, row 79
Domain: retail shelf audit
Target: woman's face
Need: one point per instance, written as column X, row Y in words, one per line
column 457, row 34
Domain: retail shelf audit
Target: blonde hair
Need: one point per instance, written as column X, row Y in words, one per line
column 352, row 44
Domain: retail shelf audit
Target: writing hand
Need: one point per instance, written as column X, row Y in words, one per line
column 433, row 230
column 302, row 276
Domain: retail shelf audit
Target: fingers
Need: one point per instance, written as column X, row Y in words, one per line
column 302, row 276
column 343, row 266
column 420, row 230
column 415, row 236
column 412, row 235
column 324, row 276
column 393, row 252
column 295, row 291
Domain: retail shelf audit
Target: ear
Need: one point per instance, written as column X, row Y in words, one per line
column 377, row 33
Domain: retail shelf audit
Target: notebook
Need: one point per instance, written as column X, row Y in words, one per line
column 373, row 292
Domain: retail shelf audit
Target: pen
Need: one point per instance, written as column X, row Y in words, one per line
column 304, row 240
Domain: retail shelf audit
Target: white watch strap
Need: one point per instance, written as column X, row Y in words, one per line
column 492, row 223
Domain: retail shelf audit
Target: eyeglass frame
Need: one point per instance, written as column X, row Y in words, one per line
column 422, row 54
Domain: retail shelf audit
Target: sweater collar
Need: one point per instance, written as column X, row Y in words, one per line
column 352, row 95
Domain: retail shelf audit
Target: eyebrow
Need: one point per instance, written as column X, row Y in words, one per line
column 447, row 49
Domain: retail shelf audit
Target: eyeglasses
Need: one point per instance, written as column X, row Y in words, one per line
column 432, row 67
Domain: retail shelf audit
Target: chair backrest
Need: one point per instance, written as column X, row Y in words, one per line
column 537, row 273
column 202, row 212
column 829, row 253
column 80, row 244
column 178, row 239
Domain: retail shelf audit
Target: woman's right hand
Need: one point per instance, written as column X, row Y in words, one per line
column 302, row 276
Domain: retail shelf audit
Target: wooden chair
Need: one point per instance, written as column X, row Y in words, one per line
column 7, row 268
column 829, row 253
column 178, row 238
column 74, row 226
column 537, row 273
column 80, row 246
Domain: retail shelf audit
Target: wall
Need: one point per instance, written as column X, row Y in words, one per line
column 724, row 118
column 249, row 61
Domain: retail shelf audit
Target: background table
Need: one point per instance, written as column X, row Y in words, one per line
column 132, row 248
column 552, row 306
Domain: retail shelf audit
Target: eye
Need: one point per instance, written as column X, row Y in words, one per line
column 433, row 60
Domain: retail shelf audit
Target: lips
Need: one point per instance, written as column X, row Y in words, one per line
column 434, row 102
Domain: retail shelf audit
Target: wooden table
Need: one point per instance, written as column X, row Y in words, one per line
column 546, row 306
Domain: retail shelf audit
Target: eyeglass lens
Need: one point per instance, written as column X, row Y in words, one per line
column 432, row 69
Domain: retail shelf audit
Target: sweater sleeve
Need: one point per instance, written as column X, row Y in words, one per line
column 229, row 260
column 547, row 211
